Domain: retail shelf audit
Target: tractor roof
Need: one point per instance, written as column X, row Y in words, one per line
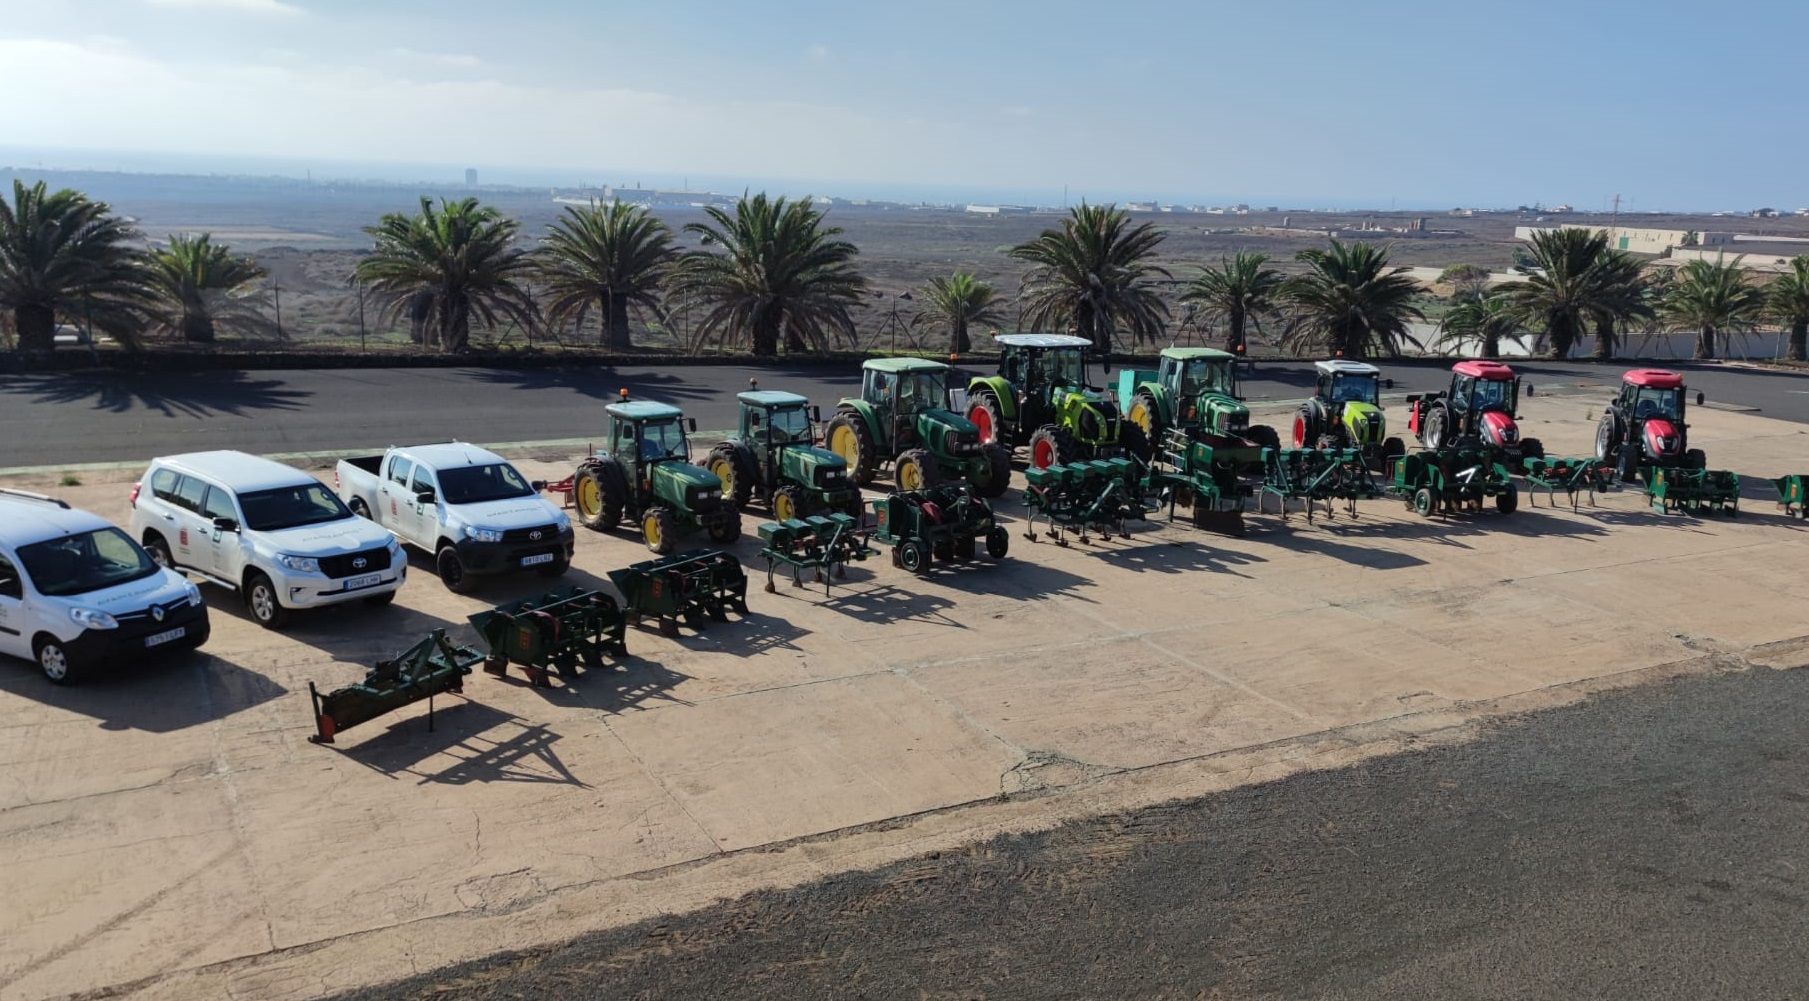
column 902, row 365
column 642, row 410
column 1653, row 378
column 1487, row 371
column 1338, row 366
column 1042, row 341
column 771, row 398
column 1189, row 354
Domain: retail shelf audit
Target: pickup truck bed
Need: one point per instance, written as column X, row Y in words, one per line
column 369, row 463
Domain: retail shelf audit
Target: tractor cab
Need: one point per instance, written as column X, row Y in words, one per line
column 1644, row 425
column 1482, row 404
column 1341, row 382
column 774, row 418
column 1346, row 412
column 1193, row 389
column 643, row 433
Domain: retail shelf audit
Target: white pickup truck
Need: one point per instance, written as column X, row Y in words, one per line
column 466, row 507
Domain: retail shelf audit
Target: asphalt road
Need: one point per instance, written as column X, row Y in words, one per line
column 114, row 416
column 1644, row 845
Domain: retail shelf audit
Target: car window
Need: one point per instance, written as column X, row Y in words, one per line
column 10, row 586
column 189, row 494
column 291, row 507
column 218, row 505
column 423, row 480
column 84, row 562
column 163, row 484
column 399, row 468
column 477, row 484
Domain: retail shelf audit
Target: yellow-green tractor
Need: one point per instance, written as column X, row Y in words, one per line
column 1346, row 412
column 901, row 417
column 1040, row 398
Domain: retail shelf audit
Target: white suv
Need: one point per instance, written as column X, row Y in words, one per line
column 77, row 594
column 280, row 537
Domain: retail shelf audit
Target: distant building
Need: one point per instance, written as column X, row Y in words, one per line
column 1640, row 241
column 985, row 209
column 470, row 177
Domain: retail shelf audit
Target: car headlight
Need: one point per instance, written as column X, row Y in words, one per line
column 93, row 618
column 300, row 564
column 194, row 596
column 476, row 534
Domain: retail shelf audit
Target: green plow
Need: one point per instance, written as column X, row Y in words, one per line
column 1453, row 481
column 424, row 670
column 1317, row 476
column 1692, row 491
column 1791, row 495
column 1097, row 495
column 1209, row 478
column 822, row 544
column 1573, row 476
column 696, row 586
column 555, row 631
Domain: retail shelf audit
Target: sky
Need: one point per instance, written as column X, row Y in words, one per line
column 1672, row 105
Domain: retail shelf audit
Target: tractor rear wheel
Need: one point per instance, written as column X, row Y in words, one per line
column 790, row 501
column 916, row 469
column 1306, row 427
column 1695, row 458
column 1423, row 502
column 1051, row 446
column 659, row 531
column 998, row 543
column 847, row 435
column 997, row 475
column 914, row 556
column 1437, row 427
column 1392, row 450
column 1143, row 413
column 984, row 414
column 1134, row 442
column 1507, row 500
column 1607, row 432
column 734, row 465
column 599, row 491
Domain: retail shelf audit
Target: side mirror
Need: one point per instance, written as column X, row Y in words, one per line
column 691, row 422
column 816, row 415
column 1699, row 399
column 225, row 525
column 425, row 497
column 1387, row 383
column 537, row 485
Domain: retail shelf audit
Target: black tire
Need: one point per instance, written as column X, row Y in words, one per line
column 1628, row 463
column 557, row 568
column 866, row 461
column 159, row 550
column 604, row 476
column 914, row 556
column 918, row 467
column 1132, row 439
column 1532, row 448
column 261, row 602
column 744, row 471
column 381, row 600
column 791, row 501
column 998, row 543
column 1436, row 432
column 659, row 530
column 1507, row 501
column 725, row 528
column 1695, row 458
column 1263, row 435
column 997, row 477
column 1051, row 446
column 1607, row 435
column 53, row 659
column 452, row 571
column 1424, row 504
column 360, row 508
column 989, row 403
column 1392, row 450
column 944, row 550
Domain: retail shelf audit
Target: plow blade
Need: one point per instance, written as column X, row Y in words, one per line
column 557, row 630
column 1692, row 491
column 822, row 544
column 696, row 586
column 424, row 670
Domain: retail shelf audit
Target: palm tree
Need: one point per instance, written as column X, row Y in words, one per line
column 1478, row 318
column 1712, row 297
column 446, row 267
column 1622, row 299
column 783, row 273
column 1096, row 274
column 1240, row 289
column 1789, row 297
column 61, row 252
column 1350, row 303
column 1558, row 292
column 611, row 256
column 196, row 287
column 958, row 302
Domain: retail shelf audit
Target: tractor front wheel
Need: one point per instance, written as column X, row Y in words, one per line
column 916, row 470
column 985, row 415
column 1532, row 448
column 789, row 502
column 848, row 436
column 1264, row 435
column 1423, row 502
column 658, row 530
column 1695, row 458
column 998, row 543
column 726, row 528
column 914, row 556
column 996, row 475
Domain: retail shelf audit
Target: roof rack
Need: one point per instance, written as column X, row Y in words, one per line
column 28, row 495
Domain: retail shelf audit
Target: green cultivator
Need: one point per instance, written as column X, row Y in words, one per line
column 1692, row 491
column 1791, row 495
column 821, row 544
column 424, row 670
column 939, row 524
column 1573, row 476
column 697, row 586
column 1098, row 495
column 1318, row 476
column 1209, row 476
column 1453, row 481
column 555, row 631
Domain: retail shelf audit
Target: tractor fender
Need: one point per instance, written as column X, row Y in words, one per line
column 1001, row 390
column 868, row 416
column 1165, row 402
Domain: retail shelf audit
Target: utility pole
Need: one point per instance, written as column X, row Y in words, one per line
column 361, row 348
column 277, row 288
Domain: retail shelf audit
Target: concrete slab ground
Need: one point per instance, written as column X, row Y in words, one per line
column 169, row 832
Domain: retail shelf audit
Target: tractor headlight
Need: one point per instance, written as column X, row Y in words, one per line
column 476, row 534
column 300, row 564
column 93, row 618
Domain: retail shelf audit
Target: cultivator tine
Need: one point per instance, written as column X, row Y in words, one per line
column 821, row 544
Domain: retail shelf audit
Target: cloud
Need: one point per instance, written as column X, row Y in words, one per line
column 818, row 52
column 456, row 60
column 244, row 6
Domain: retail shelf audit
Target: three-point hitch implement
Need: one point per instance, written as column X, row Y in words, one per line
column 424, row 670
column 696, row 586
column 555, row 631
column 1099, row 495
column 1318, row 476
column 1692, row 491
column 1573, row 476
column 823, row 544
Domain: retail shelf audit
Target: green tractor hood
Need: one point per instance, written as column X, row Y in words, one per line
column 1364, row 423
column 686, row 487
column 947, row 435
column 1219, row 413
column 818, row 467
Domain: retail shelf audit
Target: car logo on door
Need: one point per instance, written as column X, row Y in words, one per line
column 156, row 613
column 358, row 563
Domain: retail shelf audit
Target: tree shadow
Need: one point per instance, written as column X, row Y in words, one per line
column 884, row 603
column 1177, row 557
column 171, row 394
column 468, row 732
column 605, row 383
column 744, row 636
column 1371, row 557
column 158, row 695
column 1011, row 577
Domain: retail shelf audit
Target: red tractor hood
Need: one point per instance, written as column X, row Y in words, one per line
column 1664, row 439
column 1499, row 429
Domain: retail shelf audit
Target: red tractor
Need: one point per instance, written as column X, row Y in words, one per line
column 1481, row 405
column 1644, row 425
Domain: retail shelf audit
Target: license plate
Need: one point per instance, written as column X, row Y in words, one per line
column 528, row 561
column 354, row 583
column 167, row 635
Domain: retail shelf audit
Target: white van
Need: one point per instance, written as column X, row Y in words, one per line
column 278, row 536
column 77, row 594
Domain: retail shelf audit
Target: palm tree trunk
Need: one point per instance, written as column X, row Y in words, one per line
column 420, row 308
column 1234, row 336
column 36, row 325
column 198, row 328
column 1705, row 343
column 765, row 341
column 1491, row 345
column 619, row 338
column 455, row 333
column 958, row 344
column 1562, row 337
column 1799, row 334
column 1604, row 340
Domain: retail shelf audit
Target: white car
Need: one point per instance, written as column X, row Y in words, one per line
column 462, row 505
column 77, row 594
column 273, row 533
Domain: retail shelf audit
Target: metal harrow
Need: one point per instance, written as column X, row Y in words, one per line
column 822, row 544
column 1573, row 476
column 1317, row 476
column 697, row 586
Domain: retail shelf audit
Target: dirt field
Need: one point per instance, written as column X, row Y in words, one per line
column 170, row 832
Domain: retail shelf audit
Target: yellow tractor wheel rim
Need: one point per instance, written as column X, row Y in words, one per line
column 590, row 497
column 910, row 477
column 783, row 508
column 843, row 443
column 1139, row 416
column 650, row 528
column 725, row 471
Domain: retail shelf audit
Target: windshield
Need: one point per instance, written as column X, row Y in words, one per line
column 664, row 440
column 1206, row 375
column 1354, row 389
column 917, row 390
column 787, row 425
column 477, row 484
column 1656, row 403
column 1064, row 366
column 291, row 507
column 1491, row 394
column 77, row 564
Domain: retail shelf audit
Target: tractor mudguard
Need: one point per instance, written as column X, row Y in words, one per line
column 1001, row 389
column 868, row 416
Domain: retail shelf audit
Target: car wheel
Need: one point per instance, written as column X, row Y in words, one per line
column 360, row 508
column 452, row 571
column 54, row 661
column 261, row 602
column 159, row 550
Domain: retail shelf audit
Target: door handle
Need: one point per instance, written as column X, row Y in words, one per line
column 169, row 517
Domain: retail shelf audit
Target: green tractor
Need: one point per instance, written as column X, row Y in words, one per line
column 647, row 474
column 901, row 417
column 1193, row 390
column 774, row 454
column 1346, row 412
column 1040, row 398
